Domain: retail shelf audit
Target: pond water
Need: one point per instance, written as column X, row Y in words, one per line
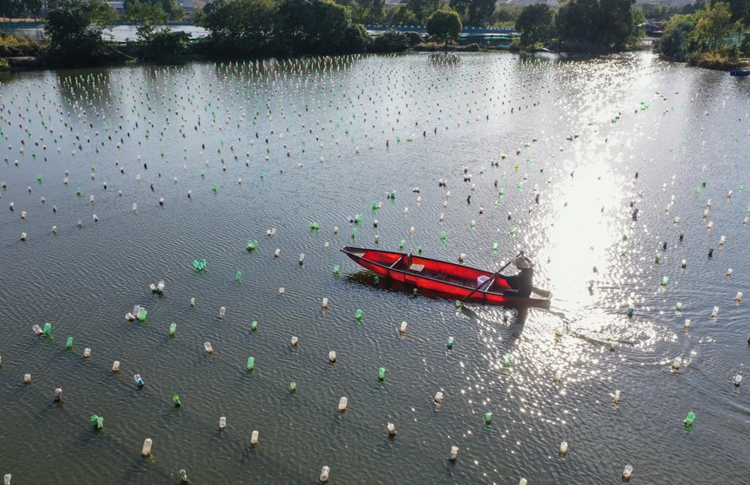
column 320, row 140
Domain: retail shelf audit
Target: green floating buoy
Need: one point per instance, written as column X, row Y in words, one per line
column 377, row 280
column 69, row 343
column 192, row 302
column 658, row 258
column 689, row 419
column 238, row 277
column 401, row 244
column 381, row 373
column 98, row 421
column 377, row 239
column 458, row 304
column 336, row 269
column 254, row 325
column 176, row 400
column 292, row 386
column 250, row 363
column 47, row 329
column 172, row 329
column 442, row 235
column 488, row 418
column 494, row 247
column 358, row 314
column 354, row 232
column 506, row 359
column 665, row 280
column 419, row 249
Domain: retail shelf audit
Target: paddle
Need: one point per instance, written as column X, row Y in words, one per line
column 494, row 277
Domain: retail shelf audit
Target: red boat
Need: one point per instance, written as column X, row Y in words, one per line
column 447, row 279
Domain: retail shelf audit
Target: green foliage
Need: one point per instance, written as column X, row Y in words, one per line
column 713, row 25
column 390, row 41
column 34, row 7
column 678, row 39
column 444, row 25
column 240, row 26
column 535, row 24
column 74, row 29
column 12, row 46
column 285, row 27
column 423, row 9
column 401, row 15
column 165, row 45
column 474, row 12
column 135, row 8
column 740, row 10
column 505, row 16
column 11, row 8
column 612, row 23
column 311, row 27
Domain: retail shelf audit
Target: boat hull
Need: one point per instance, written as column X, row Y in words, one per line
column 445, row 279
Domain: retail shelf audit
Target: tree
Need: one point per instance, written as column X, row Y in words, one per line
column 74, row 29
column 11, row 8
column 611, row 23
column 444, row 25
column 390, row 41
column 34, row 7
column 715, row 24
column 676, row 43
column 535, row 24
column 423, row 9
column 169, row 7
column 243, row 26
column 740, row 10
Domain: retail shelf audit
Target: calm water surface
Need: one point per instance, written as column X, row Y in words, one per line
column 308, row 140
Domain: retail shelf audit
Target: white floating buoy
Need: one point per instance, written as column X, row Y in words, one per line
column 563, row 447
column 332, row 356
column 7, row 478
column 454, row 453
column 325, row 302
column 222, row 422
column 522, row 482
column 294, row 341
column 391, row 429
column 730, row 271
column 722, row 240
column 737, row 380
column 23, row 215
column 461, row 257
column 715, row 312
column 116, row 366
column 209, row 349
column 281, row 291
column 222, row 312
column 146, row 451
column 336, row 230
column 254, row 438
column 23, row 236
column 438, row 397
column 687, row 324
column 627, row 472
column 402, row 329
column 27, row 378
column 616, row 398
column 612, row 346
column 277, row 253
column 558, row 376
column 738, row 297
column 342, row 404
column 135, row 207
column 87, row 352
column 324, row 473
column 37, row 330
column 676, row 363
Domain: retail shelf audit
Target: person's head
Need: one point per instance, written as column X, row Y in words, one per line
column 521, row 262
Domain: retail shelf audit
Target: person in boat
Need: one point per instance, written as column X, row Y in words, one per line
column 522, row 283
